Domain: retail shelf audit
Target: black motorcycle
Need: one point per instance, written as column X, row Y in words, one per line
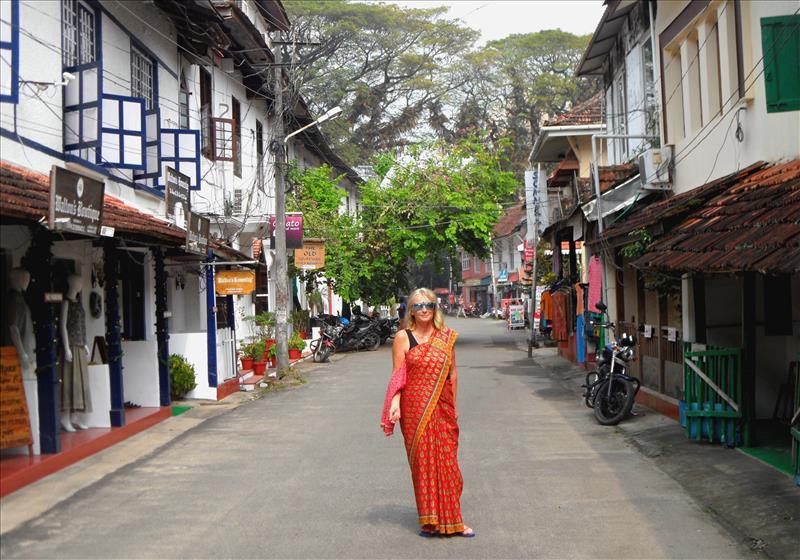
column 609, row 390
column 325, row 345
column 388, row 327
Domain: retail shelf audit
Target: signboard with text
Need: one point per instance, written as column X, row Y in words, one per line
column 76, row 202
column 197, row 234
column 15, row 426
column 294, row 231
column 234, row 282
column 310, row 256
column 176, row 196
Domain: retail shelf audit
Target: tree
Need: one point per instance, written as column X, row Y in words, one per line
column 427, row 202
column 391, row 69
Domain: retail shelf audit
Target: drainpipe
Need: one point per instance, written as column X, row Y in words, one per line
column 211, row 322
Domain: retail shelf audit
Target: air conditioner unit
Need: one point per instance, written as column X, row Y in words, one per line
column 655, row 168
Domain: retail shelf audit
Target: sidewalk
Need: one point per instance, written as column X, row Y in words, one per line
column 35, row 499
column 756, row 503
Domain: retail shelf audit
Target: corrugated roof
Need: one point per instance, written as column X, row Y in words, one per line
column 588, row 112
column 749, row 221
column 510, row 221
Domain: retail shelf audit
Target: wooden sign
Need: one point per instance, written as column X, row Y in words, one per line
column 310, row 256
column 76, row 202
column 15, row 426
column 234, row 282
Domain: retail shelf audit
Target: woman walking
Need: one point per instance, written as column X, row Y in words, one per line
column 422, row 396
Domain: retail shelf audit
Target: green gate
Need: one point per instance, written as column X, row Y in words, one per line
column 712, row 384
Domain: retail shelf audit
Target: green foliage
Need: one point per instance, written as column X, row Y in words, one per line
column 250, row 350
column 181, row 376
column 258, row 349
column 296, row 343
column 272, row 352
column 265, row 324
column 300, row 320
column 641, row 240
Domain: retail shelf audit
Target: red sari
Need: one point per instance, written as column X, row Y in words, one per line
column 430, row 431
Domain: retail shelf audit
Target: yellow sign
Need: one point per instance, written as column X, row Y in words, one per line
column 310, row 256
column 234, row 282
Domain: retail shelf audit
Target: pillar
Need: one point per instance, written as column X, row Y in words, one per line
column 113, row 333
column 162, row 328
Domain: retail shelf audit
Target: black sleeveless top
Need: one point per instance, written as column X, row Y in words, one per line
column 413, row 342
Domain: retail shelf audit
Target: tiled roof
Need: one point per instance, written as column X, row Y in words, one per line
column 588, row 112
column 749, row 221
column 510, row 221
column 613, row 175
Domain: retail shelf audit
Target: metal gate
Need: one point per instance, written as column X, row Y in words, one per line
column 226, row 354
column 713, row 393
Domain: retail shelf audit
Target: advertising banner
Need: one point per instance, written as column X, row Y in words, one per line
column 76, row 202
column 310, row 256
column 15, row 427
column 234, row 282
column 294, row 230
column 176, row 196
column 197, row 234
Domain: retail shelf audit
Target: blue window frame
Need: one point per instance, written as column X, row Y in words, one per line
column 152, row 157
column 81, row 33
column 9, row 51
column 180, row 149
column 122, row 134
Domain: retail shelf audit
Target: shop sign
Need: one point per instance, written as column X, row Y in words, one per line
column 76, row 202
column 15, row 427
column 234, row 282
column 197, row 234
column 310, row 256
column 502, row 276
column 294, row 230
column 176, row 196
column 530, row 251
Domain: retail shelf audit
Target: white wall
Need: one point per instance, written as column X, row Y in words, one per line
column 194, row 347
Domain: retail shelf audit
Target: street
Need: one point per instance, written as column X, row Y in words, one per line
column 307, row 473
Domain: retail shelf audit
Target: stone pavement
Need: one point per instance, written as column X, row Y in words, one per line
column 307, row 473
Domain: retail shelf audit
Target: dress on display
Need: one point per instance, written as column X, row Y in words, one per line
column 75, row 374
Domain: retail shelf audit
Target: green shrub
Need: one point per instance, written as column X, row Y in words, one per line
column 258, row 350
column 181, row 376
column 272, row 352
column 297, row 343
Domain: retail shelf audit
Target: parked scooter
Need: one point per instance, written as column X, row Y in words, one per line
column 387, row 327
column 325, row 345
column 609, row 390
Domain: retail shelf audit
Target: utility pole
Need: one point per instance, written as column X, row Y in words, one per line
column 532, row 238
column 281, row 272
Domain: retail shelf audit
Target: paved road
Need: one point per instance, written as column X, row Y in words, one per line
column 308, row 474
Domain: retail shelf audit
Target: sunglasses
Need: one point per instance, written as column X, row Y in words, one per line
column 430, row 306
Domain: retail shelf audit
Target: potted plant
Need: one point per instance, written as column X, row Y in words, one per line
column 296, row 346
column 181, row 375
column 260, row 366
column 271, row 355
column 265, row 326
column 248, row 355
column 300, row 320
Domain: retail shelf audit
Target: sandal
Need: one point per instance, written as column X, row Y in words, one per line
column 467, row 533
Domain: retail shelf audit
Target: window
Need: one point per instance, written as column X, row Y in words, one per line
column 780, row 40
column 9, row 51
column 476, row 264
column 183, row 104
column 236, row 111
column 180, row 149
column 260, row 155
column 205, row 112
column 142, row 79
column 466, row 264
column 78, row 34
column 123, row 132
column 223, row 140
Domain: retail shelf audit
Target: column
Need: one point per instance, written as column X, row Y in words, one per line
column 162, row 328
column 113, row 333
column 690, row 84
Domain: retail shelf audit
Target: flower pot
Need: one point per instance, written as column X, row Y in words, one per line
column 247, row 363
column 259, row 368
column 304, row 335
column 268, row 343
column 272, row 362
column 295, row 354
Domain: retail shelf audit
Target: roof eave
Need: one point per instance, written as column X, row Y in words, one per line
column 549, row 133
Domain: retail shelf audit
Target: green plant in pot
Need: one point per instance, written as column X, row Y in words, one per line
column 249, row 354
column 265, row 323
column 300, row 319
column 296, row 346
column 181, row 376
column 271, row 354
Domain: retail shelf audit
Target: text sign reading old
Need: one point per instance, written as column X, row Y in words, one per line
column 176, row 196
column 197, row 234
column 294, row 231
column 234, row 282
column 310, row 256
column 76, row 202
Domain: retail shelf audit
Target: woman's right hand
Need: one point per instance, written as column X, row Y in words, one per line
column 394, row 410
column 67, row 354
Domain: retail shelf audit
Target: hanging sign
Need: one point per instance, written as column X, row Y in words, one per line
column 15, row 427
column 530, row 251
column 176, row 196
column 197, row 234
column 294, row 230
column 234, row 282
column 310, row 256
column 76, row 202
column 502, row 276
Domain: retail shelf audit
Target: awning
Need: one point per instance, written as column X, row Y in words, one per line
column 616, row 199
column 604, row 37
column 750, row 224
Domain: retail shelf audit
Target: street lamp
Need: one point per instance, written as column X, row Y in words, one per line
column 281, row 268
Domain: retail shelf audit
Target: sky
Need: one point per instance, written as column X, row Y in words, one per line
column 496, row 19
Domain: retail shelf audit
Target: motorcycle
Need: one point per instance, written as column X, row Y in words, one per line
column 610, row 391
column 388, row 327
column 325, row 345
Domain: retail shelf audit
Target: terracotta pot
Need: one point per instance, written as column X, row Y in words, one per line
column 247, row 363
column 295, row 354
column 259, row 368
column 268, row 343
column 304, row 335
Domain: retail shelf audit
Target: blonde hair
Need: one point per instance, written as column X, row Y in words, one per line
column 426, row 295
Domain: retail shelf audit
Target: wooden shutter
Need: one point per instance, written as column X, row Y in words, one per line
column 780, row 40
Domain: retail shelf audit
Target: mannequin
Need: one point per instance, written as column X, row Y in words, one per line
column 20, row 325
column 75, row 367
